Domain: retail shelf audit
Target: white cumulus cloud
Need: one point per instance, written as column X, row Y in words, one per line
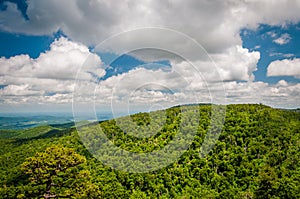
column 51, row 76
column 62, row 61
column 214, row 24
column 285, row 67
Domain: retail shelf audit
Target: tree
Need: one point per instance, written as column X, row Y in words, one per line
column 59, row 173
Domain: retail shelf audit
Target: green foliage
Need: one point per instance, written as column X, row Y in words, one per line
column 256, row 156
column 27, row 133
column 57, row 172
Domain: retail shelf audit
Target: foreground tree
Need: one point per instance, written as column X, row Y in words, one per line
column 59, row 173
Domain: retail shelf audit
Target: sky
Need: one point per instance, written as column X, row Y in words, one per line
column 130, row 56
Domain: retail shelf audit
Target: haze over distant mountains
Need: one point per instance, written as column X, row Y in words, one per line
column 28, row 120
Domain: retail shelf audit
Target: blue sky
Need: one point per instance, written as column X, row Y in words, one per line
column 13, row 44
column 45, row 50
column 261, row 40
column 16, row 44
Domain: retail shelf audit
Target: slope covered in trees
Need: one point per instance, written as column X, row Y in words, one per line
column 256, row 156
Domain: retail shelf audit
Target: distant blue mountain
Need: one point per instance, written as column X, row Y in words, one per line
column 29, row 120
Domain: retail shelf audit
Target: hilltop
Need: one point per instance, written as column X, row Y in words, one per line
column 256, row 155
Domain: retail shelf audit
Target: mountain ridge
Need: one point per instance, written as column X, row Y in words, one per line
column 255, row 156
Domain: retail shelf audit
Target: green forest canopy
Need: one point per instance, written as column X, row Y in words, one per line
column 256, row 156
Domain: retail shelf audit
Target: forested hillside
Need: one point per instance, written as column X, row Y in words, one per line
column 256, row 156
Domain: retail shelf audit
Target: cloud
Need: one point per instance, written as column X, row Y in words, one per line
column 145, row 88
column 214, row 24
column 184, row 83
column 282, row 94
column 122, row 93
column 283, row 39
column 287, row 55
column 51, row 76
column 19, row 90
column 237, row 63
column 285, row 67
column 141, row 87
column 62, row 61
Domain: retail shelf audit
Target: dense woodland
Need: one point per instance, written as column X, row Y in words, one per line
column 256, row 156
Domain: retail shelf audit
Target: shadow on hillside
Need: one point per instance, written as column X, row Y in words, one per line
column 59, row 131
column 65, row 125
column 53, row 133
